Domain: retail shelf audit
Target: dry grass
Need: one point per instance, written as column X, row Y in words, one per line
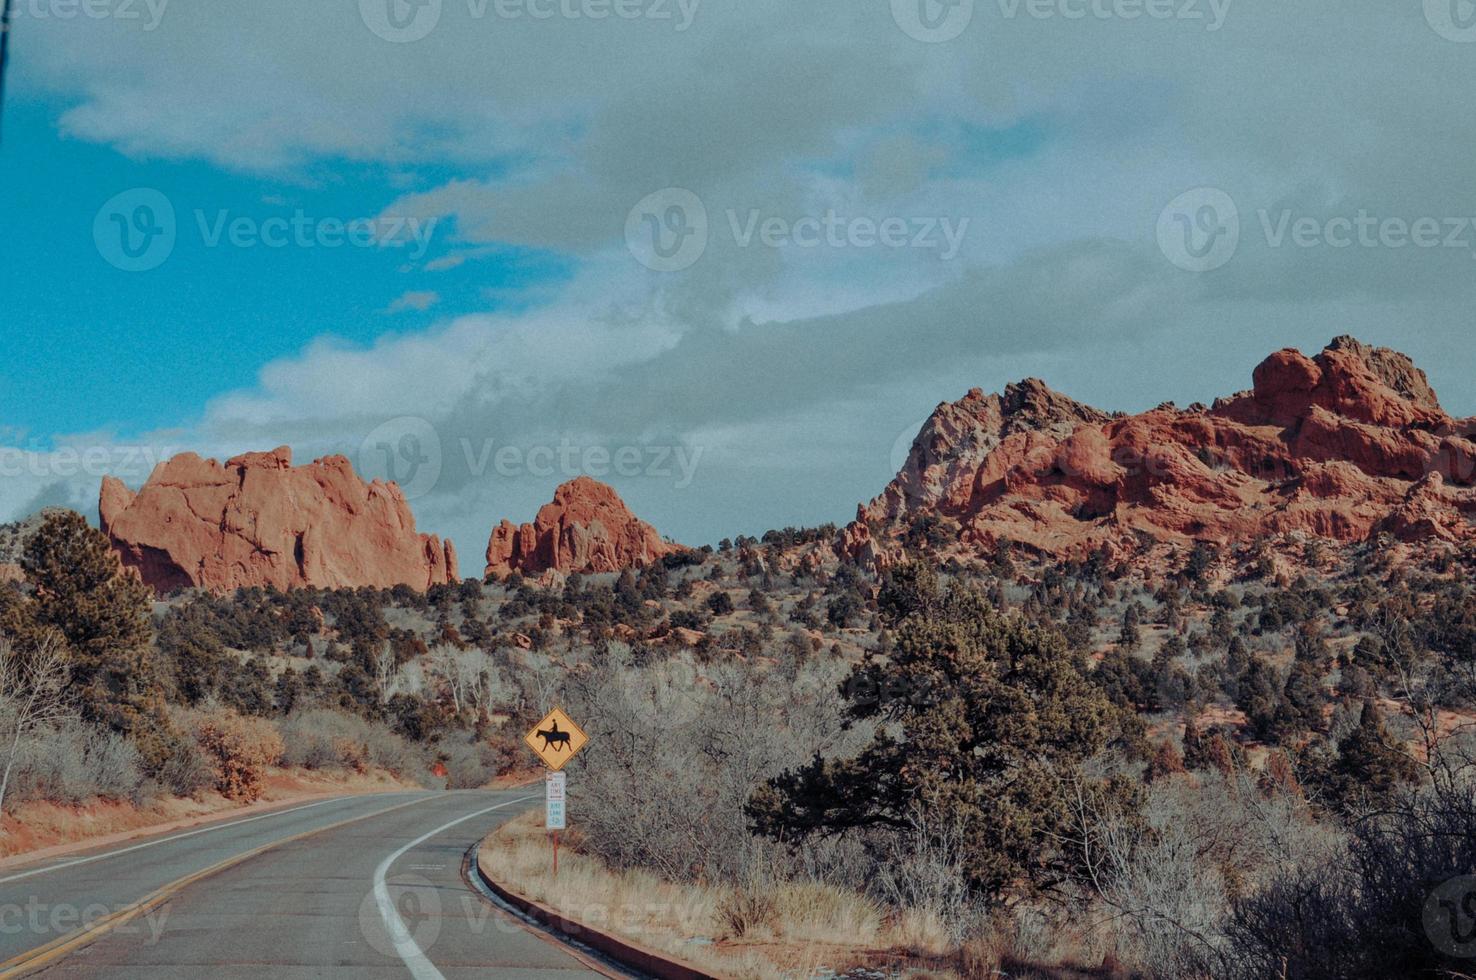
column 787, row 930
column 40, row 829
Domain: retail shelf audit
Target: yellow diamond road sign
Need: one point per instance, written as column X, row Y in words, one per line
column 556, row 739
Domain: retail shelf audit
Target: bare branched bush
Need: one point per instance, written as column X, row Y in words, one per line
column 1394, row 902
column 330, row 740
column 469, row 679
column 187, row 771
column 241, row 748
column 33, row 689
column 707, row 738
column 470, row 763
column 1167, row 874
column 924, row 871
column 73, row 763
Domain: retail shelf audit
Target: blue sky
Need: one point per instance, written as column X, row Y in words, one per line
column 1031, row 168
column 147, row 350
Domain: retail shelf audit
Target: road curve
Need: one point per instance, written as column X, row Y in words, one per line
column 363, row 886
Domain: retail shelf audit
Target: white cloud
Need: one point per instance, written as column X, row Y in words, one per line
column 418, row 300
column 1058, row 142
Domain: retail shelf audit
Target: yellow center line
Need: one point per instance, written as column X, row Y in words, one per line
column 43, row 956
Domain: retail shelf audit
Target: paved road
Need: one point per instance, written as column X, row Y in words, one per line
column 362, row 887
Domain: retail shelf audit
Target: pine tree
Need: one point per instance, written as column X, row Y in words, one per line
column 1130, row 637
column 83, row 593
column 909, row 590
column 995, row 715
column 1369, row 765
column 1196, row 748
column 1302, row 700
column 1260, row 698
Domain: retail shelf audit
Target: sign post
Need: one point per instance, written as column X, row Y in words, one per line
column 554, row 814
column 555, row 740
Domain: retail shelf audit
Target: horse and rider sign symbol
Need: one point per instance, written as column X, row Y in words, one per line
column 556, row 739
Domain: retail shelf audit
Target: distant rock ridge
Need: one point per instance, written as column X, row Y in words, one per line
column 257, row 520
column 585, row 528
column 1346, row 445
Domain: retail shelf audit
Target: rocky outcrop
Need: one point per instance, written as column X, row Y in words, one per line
column 1346, row 445
column 258, row 520
column 585, row 528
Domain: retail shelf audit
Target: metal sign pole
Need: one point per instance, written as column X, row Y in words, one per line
column 555, row 740
column 555, row 812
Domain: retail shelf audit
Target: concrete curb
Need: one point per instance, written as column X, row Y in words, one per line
column 622, row 951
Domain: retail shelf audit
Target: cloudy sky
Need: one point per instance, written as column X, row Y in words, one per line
column 724, row 255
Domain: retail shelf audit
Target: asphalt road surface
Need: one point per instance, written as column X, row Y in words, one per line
column 362, row 887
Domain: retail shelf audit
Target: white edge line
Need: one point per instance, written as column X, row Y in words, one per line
column 166, row 840
column 414, row 958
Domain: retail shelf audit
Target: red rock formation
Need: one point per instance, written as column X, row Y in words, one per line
column 586, row 528
column 258, row 521
column 1346, row 445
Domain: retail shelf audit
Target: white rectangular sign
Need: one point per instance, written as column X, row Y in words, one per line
column 554, row 817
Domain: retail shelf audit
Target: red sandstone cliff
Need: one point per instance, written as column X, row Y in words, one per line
column 258, row 520
column 586, row 528
column 1346, row 445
